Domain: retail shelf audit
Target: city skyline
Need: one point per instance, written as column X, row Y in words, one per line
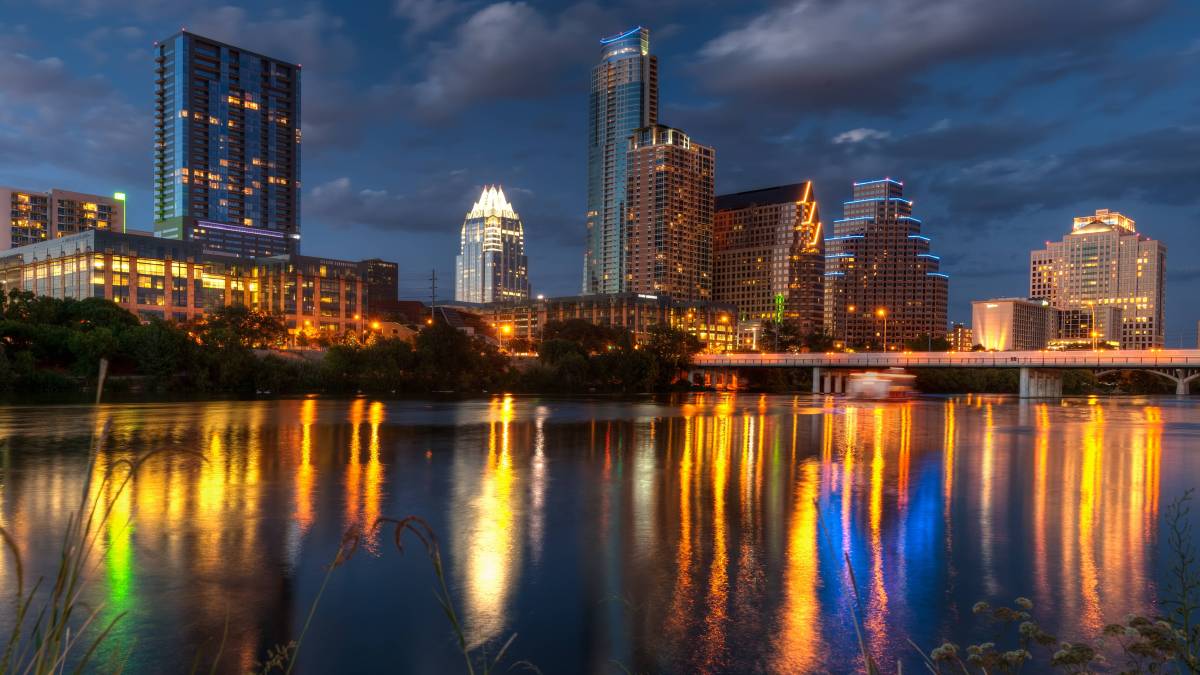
column 984, row 186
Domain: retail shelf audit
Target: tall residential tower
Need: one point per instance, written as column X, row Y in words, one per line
column 669, row 221
column 624, row 98
column 226, row 147
column 491, row 264
column 1105, row 263
column 882, row 285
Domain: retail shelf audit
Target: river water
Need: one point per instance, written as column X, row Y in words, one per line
column 705, row 534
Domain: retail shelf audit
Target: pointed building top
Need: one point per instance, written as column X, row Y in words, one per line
column 492, row 203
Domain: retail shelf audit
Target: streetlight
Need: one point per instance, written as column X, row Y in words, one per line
column 506, row 329
column 882, row 313
column 1092, row 328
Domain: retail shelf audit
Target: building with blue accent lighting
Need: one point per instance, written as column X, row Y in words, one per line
column 226, row 147
column 624, row 98
column 883, row 286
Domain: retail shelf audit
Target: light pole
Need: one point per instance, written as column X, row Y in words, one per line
column 882, row 313
column 1092, row 326
column 506, row 329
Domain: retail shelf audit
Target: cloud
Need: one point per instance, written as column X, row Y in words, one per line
column 141, row 8
column 505, row 51
column 425, row 15
column 50, row 117
column 859, row 135
column 313, row 36
column 101, row 43
column 846, row 54
column 437, row 204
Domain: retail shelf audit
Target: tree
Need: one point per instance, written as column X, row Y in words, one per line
column 925, row 343
column 591, row 338
column 819, row 341
column 783, row 336
column 672, row 350
column 239, row 326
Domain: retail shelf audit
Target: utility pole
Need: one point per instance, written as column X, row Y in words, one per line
column 432, row 295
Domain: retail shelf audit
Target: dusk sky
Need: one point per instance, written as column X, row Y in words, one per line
column 1004, row 118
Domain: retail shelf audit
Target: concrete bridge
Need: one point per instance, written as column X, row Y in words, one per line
column 1041, row 372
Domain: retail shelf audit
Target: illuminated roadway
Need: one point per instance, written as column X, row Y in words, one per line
column 1181, row 366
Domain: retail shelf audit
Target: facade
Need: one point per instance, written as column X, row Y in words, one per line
column 226, row 147
column 768, row 255
column 961, row 338
column 669, row 215
column 1105, row 262
column 40, row 216
column 624, row 98
column 883, row 286
column 491, row 264
column 1093, row 325
column 1013, row 324
column 383, row 289
column 177, row 280
column 713, row 324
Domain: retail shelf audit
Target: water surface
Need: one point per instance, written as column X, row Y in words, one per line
column 707, row 534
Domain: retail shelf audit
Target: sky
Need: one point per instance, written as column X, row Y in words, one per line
column 1004, row 119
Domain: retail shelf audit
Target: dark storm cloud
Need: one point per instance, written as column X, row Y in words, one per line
column 827, row 53
column 1156, row 167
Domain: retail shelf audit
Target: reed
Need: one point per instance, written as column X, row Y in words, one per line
column 283, row 658
column 64, row 632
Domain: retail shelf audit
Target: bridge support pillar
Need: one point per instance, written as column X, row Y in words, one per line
column 1182, row 387
column 1037, row 383
column 816, row 379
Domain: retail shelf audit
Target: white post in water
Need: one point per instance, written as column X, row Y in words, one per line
column 100, row 380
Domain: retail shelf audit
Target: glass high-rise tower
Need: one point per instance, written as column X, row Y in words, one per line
column 624, row 98
column 491, row 264
column 226, row 147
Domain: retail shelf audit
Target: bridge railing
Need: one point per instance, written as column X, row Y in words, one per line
column 1166, row 358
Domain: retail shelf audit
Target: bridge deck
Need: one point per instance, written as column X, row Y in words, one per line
column 1165, row 358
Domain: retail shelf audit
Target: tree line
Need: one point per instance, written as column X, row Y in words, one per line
column 56, row 345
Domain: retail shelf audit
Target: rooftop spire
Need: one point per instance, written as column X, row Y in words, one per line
column 492, row 203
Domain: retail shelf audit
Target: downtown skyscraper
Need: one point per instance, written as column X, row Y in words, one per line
column 226, row 147
column 669, row 222
column 1104, row 263
column 491, row 264
column 623, row 99
column 883, row 286
column 768, row 255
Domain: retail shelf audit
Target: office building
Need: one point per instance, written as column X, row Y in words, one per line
column 226, row 147
column 491, row 264
column 883, row 286
column 1092, row 326
column 35, row 216
column 623, row 99
column 768, row 255
column 669, row 217
column 383, row 289
column 1013, row 324
column 1105, row 262
column 178, row 280
column 961, row 338
column 713, row 324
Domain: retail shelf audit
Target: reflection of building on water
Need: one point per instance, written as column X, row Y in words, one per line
column 488, row 532
column 711, row 540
